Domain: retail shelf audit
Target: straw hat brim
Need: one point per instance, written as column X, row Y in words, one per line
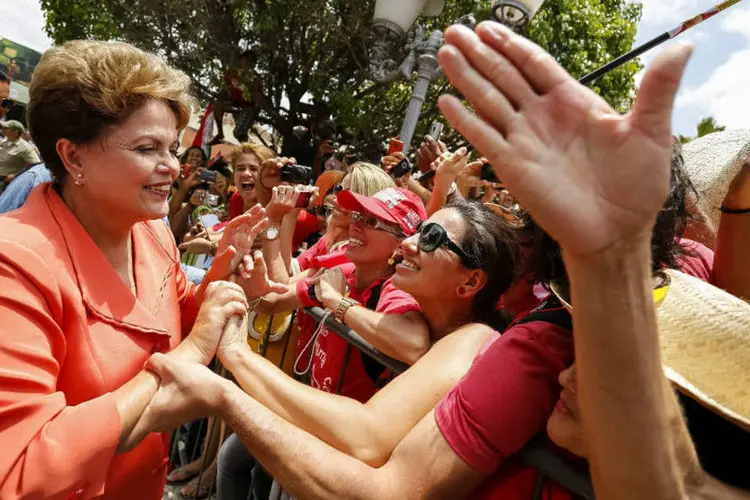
column 705, row 345
column 711, row 162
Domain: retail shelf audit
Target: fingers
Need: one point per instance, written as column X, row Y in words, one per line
column 478, row 132
column 224, row 259
column 246, row 267
column 537, row 67
column 652, row 112
column 159, row 365
column 277, row 287
column 482, row 94
column 485, row 56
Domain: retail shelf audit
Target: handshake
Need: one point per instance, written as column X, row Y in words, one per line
column 234, row 284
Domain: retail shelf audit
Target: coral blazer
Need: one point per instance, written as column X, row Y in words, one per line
column 71, row 332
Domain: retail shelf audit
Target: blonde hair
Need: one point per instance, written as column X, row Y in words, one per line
column 249, row 148
column 366, row 179
column 83, row 87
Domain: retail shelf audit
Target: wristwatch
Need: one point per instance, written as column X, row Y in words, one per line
column 344, row 304
column 271, row 233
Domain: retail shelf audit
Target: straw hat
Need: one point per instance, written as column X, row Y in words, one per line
column 712, row 161
column 705, row 345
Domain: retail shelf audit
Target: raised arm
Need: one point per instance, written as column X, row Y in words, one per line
column 578, row 167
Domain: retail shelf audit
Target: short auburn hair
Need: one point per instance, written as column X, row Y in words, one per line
column 82, row 88
column 249, row 148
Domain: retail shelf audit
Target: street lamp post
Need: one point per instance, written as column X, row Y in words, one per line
column 393, row 19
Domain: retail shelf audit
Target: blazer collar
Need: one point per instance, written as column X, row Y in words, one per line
column 102, row 290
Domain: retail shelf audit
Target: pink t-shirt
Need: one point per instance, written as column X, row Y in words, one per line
column 329, row 349
column 699, row 261
column 502, row 402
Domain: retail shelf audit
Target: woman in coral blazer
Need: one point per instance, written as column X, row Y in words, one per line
column 90, row 282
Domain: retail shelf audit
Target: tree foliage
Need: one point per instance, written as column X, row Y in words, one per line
column 319, row 49
column 705, row 126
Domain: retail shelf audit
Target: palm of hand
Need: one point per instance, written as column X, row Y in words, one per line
column 577, row 157
column 257, row 285
column 241, row 234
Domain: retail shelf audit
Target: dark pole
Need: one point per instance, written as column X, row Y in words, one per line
column 667, row 35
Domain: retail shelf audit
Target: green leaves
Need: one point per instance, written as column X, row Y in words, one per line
column 319, row 49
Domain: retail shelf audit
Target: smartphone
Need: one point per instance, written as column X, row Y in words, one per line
column 185, row 170
column 209, row 220
column 487, row 174
column 303, row 200
column 208, row 176
column 395, row 146
column 436, row 130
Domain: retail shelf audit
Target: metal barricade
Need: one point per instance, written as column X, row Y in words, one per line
column 538, row 453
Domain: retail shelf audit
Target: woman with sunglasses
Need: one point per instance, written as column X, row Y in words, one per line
column 457, row 265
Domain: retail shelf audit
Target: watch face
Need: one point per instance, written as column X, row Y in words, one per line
column 272, row 233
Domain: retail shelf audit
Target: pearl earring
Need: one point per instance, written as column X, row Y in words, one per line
column 79, row 177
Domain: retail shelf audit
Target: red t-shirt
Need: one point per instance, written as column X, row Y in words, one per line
column 315, row 257
column 329, row 348
column 502, row 402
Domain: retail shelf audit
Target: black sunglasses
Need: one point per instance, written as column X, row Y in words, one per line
column 433, row 236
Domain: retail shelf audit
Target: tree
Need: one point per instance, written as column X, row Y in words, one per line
column 705, row 126
column 318, row 49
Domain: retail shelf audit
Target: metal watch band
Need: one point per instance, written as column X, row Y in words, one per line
column 344, row 304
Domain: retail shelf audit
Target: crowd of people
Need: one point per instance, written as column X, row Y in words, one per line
column 142, row 288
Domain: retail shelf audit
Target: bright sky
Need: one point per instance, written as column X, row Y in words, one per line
column 717, row 82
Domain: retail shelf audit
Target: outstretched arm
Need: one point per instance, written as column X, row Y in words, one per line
column 578, row 167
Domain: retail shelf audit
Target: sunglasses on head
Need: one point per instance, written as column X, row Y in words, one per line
column 375, row 223
column 433, row 236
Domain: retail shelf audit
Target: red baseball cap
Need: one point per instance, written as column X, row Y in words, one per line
column 397, row 206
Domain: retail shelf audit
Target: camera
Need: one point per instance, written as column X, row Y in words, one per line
column 401, row 169
column 208, row 176
column 296, row 174
column 487, row 174
column 212, row 200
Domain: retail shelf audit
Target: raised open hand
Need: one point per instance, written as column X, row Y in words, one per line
column 256, row 282
column 589, row 176
column 239, row 236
